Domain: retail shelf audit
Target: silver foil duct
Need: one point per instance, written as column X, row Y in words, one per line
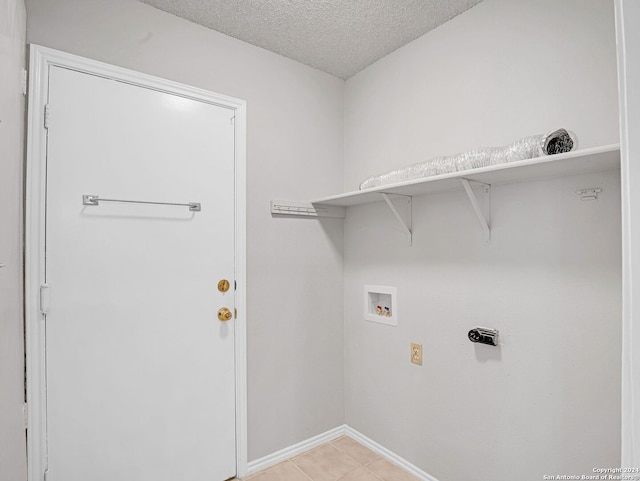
column 555, row 142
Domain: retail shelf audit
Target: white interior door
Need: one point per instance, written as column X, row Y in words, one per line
column 139, row 369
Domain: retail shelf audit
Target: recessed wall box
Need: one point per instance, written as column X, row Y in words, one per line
column 381, row 305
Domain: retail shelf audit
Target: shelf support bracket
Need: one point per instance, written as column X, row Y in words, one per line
column 484, row 216
column 404, row 222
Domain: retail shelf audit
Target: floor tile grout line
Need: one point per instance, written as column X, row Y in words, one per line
column 364, row 466
column 349, row 456
column 304, row 453
column 378, row 458
column 299, row 469
column 343, row 451
column 339, row 450
column 375, row 474
column 328, row 443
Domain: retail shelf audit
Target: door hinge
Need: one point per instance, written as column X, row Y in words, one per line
column 44, row 299
column 47, row 116
column 25, row 77
column 45, row 476
column 25, row 411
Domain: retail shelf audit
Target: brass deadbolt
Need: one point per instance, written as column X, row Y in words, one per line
column 223, row 285
column 224, row 314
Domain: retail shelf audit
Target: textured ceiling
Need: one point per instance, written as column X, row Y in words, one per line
column 340, row 37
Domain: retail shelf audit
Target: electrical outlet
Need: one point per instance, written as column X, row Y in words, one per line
column 416, row 353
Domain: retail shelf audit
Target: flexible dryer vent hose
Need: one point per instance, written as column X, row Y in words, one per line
column 555, row 142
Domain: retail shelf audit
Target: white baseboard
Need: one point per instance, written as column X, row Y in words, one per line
column 291, row 451
column 301, row 447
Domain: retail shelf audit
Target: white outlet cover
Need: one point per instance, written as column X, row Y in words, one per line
column 381, row 305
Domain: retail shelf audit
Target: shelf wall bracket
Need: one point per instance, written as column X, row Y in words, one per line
column 406, row 220
column 483, row 213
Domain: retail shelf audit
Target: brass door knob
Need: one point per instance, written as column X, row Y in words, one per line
column 223, row 285
column 224, row 314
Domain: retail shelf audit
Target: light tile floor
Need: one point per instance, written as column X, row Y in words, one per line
column 340, row 460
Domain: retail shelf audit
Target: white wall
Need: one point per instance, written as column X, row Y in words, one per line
column 12, row 61
column 547, row 401
column 295, row 141
column 627, row 18
column 500, row 71
column 504, row 69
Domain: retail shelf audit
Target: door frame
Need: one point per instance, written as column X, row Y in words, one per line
column 41, row 59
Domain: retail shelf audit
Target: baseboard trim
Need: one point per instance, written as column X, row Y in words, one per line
column 294, row 450
column 301, row 447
